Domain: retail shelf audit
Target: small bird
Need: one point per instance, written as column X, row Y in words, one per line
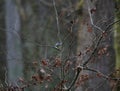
column 58, row 45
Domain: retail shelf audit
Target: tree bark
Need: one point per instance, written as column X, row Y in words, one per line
column 106, row 62
column 2, row 44
column 13, row 42
column 102, row 14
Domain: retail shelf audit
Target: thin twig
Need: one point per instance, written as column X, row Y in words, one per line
column 91, row 20
column 111, row 24
column 6, row 73
column 46, row 3
column 96, row 71
column 57, row 20
column 13, row 31
column 101, row 74
column 41, row 45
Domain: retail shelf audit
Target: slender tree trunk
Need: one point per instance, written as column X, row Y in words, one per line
column 2, row 44
column 117, row 34
column 13, row 41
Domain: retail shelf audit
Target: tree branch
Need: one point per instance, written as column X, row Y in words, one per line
column 99, row 40
column 79, row 69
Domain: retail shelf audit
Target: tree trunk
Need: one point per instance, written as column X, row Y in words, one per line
column 2, row 44
column 102, row 14
column 105, row 63
column 13, row 42
column 117, row 34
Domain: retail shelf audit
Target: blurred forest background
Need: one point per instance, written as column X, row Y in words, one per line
column 54, row 37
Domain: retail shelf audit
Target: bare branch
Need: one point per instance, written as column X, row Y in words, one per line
column 58, row 26
column 99, row 40
column 14, row 32
column 46, row 3
column 6, row 76
column 79, row 69
column 96, row 71
column 101, row 74
column 91, row 19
